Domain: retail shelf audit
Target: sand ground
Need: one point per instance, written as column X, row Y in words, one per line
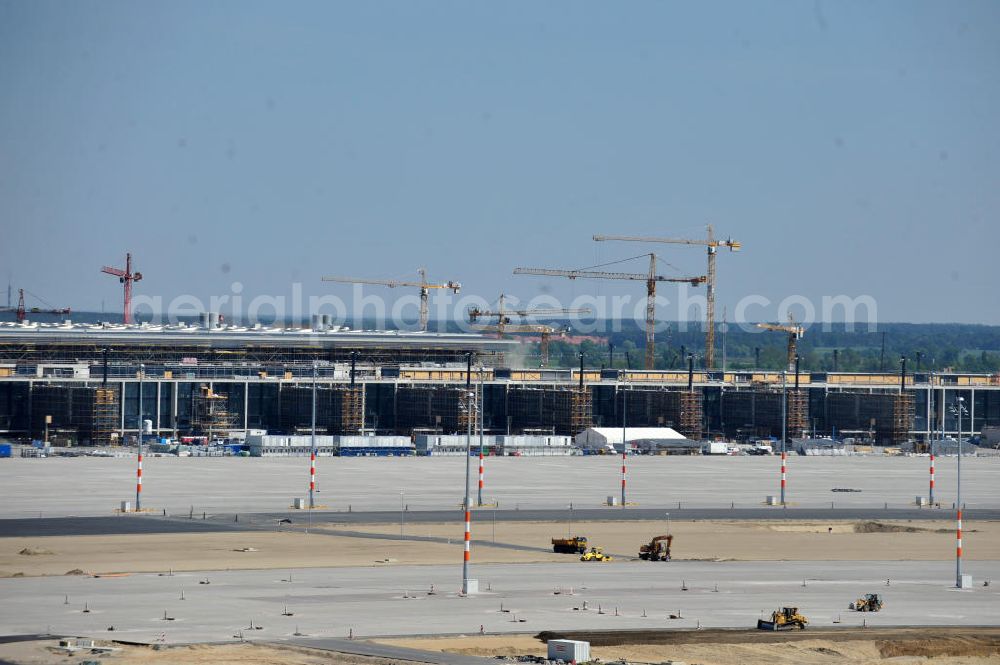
column 738, row 541
column 809, row 650
column 41, row 652
column 964, row 650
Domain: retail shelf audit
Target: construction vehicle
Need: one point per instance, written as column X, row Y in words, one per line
column 784, row 619
column 658, row 549
column 651, row 279
column 712, row 245
column 870, row 602
column 595, row 554
column 574, row 545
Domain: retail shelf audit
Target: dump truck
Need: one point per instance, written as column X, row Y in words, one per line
column 870, row 602
column 595, row 554
column 574, row 545
column 784, row 619
column 658, row 549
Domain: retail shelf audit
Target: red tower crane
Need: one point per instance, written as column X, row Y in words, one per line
column 126, row 277
column 21, row 312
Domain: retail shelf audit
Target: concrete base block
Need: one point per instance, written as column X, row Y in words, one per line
column 965, row 582
column 470, row 587
column 771, row 500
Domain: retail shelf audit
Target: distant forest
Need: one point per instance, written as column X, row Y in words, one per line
column 941, row 346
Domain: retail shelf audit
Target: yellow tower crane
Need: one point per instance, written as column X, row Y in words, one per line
column 712, row 245
column 651, row 279
column 795, row 333
column 504, row 323
column 423, row 285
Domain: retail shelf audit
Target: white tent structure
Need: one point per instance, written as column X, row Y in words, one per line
column 610, row 438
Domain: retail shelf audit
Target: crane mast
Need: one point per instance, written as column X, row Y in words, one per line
column 712, row 245
column 21, row 311
column 794, row 332
column 503, row 323
column 651, row 279
column 126, row 277
column 423, row 285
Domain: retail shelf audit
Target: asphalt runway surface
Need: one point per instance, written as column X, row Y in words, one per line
column 524, row 598
column 152, row 524
column 60, row 487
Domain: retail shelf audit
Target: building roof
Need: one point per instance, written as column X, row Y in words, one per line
column 237, row 336
column 614, row 434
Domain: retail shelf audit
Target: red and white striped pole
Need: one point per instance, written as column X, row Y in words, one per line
column 623, row 474
column 480, row 476
column 471, row 406
column 784, row 476
column 138, row 471
column 958, row 548
column 931, row 497
column 312, row 478
column 138, row 481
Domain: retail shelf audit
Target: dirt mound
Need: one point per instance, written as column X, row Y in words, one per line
column 7, row 573
column 75, row 571
column 879, row 527
column 35, row 551
column 940, row 646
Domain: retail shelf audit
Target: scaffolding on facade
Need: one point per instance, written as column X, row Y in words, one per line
column 581, row 411
column 210, row 414
column 352, row 409
column 690, row 420
column 105, row 417
column 798, row 413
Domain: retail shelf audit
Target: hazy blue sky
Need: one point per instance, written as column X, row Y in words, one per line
column 853, row 147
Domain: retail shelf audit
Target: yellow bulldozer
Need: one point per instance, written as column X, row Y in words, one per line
column 784, row 619
column 870, row 602
column 658, row 549
column 595, row 554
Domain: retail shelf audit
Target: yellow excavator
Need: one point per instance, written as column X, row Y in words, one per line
column 658, row 549
column 870, row 602
column 595, row 554
column 784, row 619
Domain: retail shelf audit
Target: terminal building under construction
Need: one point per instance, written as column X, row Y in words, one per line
column 78, row 384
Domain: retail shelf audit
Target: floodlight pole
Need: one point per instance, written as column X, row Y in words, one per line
column 624, row 437
column 959, row 407
column 784, row 422
column 138, row 472
column 467, row 503
column 312, row 454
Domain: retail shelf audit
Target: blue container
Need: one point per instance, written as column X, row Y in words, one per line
column 5, row 450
